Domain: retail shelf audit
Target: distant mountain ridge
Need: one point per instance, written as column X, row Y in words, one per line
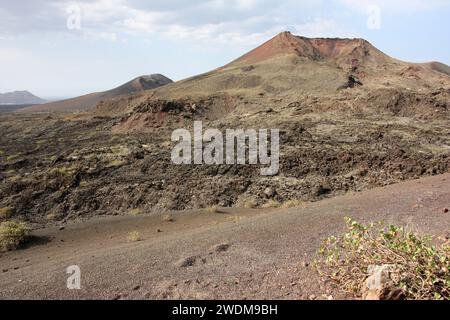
column 89, row 101
column 19, row 97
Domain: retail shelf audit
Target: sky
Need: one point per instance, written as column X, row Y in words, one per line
column 58, row 48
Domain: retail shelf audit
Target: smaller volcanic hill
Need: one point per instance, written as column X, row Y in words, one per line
column 19, row 97
column 89, row 101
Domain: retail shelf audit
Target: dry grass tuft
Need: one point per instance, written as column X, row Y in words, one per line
column 168, row 218
column 134, row 236
column 271, row 204
column 213, row 209
column 135, row 212
column 250, row 204
column 291, row 204
column 5, row 213
column 13, row 234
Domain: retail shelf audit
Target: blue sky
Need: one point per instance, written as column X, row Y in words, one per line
column 45, row 50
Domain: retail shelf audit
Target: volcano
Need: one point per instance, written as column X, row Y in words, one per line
column 291, row 65
column 89, row 101
column 319, row 73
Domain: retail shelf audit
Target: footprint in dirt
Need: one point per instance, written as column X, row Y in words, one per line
column 191, row 261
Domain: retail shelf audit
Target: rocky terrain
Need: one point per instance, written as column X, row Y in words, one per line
column 351, row 119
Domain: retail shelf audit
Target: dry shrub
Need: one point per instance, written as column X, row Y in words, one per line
column 249, row 204
column 213, row 209
column 291, row 204
column 5, row 213
column 271, row 204
column 168, row 218
column 13, row 234
column 135, row 212
column 422, row 271
column 134, row 236
column 116, row 163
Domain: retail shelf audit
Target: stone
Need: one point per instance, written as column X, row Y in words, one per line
column 379, row 284
column 269, row 192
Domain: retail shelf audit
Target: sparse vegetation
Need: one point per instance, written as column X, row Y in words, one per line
column 13, row 157
column 13, row 234
column 5, row 213
column 136, row 212
column 134, row 236
column 116, row 163
column 271, row 204
column 168, row 218
column 291, row 204
column 421, row 270
column 213, row 209
column 249, row 204
column 51, row 217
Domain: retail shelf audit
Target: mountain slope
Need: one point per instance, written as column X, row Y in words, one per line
column 288, row 65
column 333, row 73
column 89, row 101
column 19, row 97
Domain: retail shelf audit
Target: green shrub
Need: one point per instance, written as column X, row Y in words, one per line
column 13, row 234
column 422, row 271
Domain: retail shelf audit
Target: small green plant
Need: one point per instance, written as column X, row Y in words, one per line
column 13, row 234
column 5, row 213
column 422, row 271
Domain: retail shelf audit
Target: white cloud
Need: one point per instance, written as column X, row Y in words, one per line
column 228, row 22
column 396, row 6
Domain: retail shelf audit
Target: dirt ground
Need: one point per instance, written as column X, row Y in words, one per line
column 232, row 254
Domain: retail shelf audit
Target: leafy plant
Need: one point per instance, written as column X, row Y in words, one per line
column 421, row 270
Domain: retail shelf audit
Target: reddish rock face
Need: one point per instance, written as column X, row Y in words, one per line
column 312, row 48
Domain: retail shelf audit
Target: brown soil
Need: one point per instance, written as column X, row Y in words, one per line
column 233, row 254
